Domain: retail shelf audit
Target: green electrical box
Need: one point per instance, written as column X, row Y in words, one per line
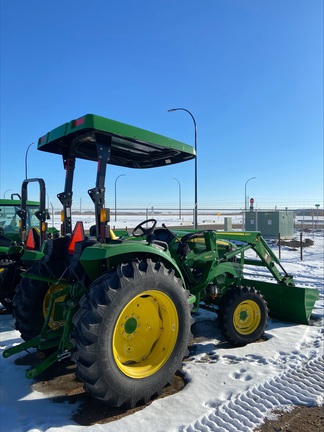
column 227, row 224
column 271, row 223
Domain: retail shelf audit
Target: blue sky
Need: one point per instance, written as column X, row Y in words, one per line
column 250, row 71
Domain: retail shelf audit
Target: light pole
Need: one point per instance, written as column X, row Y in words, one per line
column 26, row 159
column 317, row 206
column 196, row 173
column 173, row 178
column 246, row 200
column 121, row 175
column 52, row 215
column 4, row 195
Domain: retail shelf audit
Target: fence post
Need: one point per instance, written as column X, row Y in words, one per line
column 301, row 246
column 279, row 244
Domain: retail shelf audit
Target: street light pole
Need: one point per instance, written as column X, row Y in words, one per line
column 121, row 175
column 4, row 195
column 317, row 206
column 26, row 159
column 179, row 195
column 196, row 168
column 245, row 200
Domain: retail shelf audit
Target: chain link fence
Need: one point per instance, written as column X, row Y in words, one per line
column 303, row 245
column 302, row 233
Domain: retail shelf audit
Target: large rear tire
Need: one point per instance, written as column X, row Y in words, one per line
column 131, row 333
column 243, row 315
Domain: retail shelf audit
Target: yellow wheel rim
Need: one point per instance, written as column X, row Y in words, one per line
column 247, row 317
column 145, row 334
column 55, row 320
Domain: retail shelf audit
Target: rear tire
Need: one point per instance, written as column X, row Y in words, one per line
column 243, row 315
column 28, row 303
column 9, row 279
column 131, row 333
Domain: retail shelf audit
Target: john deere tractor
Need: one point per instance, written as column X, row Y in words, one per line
column 22, row 226
column 120, row 306
column 9, row 221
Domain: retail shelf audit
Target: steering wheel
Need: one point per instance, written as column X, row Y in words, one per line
column 144, row 231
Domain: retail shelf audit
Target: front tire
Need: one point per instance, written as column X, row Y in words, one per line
column 243, row 315
column 131, row 333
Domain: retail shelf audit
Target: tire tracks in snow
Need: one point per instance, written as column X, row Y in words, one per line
column 299, row 385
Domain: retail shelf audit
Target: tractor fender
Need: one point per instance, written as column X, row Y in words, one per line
column 100, row 257
column 31, row 256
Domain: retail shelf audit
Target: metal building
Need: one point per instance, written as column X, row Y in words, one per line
column 271, row 223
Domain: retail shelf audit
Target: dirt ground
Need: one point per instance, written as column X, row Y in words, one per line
column 300, row 419
column 61, row 385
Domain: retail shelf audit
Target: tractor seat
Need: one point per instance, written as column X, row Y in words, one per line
column 75, row 269
column 62, row 258
column 92, row 233
column 162, row 235
column 56, row 259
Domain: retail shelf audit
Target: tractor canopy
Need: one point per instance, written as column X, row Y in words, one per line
column 106, row 141
column 130, row 146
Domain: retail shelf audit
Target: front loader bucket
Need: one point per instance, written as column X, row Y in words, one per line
column 285, row 302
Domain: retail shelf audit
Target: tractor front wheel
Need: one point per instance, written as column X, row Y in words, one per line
column 243, row 315
column 131, row 333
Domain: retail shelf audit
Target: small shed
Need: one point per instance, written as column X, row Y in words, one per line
column 271, row 223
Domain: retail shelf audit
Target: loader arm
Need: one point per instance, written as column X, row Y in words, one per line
column 254, row 241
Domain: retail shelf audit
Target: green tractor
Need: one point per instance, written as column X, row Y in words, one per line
column 120, row 306
column 22, row 226
column 11, row 248
column 9, row 221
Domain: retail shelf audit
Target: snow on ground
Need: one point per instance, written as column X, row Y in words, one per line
column 229, row 389
column 131, row 220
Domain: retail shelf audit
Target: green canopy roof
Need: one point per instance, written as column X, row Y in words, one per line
column 130, row 146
